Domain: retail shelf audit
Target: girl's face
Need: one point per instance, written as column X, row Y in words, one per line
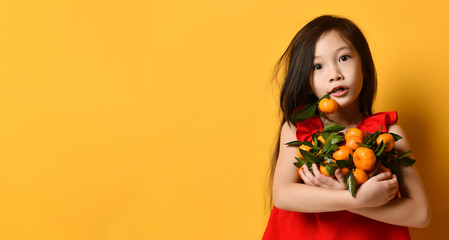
column 337, row 69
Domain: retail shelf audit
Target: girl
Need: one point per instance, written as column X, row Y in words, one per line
column 330, row 55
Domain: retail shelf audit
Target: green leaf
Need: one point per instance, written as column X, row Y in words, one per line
column 351, row 159
column 343, row 164
column 305, row 112
column 310, row 157
column 351, row 184
column 337, row 138
column 368, row 138
column 325, row 96
column 406, row 154
column 315, row 149
column 332, row 128
column 394, row 170
column 315, row 140
column 328, row 143
column 398, row 175
column 294, row 143
column 301, row 161
column 363, row 145
column 347, row 176
column 373, row 138
column 309, row 165
column 407, row 161
column 396, row 137
column 328, row 159
column 297, row 164
column 381, row 150
column 330, row 169
column 332, row 148
column 379, row 146
column 299, row 143
column 325, row 135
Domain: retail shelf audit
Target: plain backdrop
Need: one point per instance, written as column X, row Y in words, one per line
column 156, row 119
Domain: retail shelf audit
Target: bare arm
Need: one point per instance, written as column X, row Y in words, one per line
column 290, row 195
column 412, row 209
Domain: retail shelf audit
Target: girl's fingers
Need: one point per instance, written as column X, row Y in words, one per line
column 393, row 182
column 339, row 175
column 304, row 177
column 316, row 171
column 310, row 176
column 381, row 176
column 306, row 171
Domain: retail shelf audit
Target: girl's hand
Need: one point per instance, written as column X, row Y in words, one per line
column 321, row 180
column 377, row 191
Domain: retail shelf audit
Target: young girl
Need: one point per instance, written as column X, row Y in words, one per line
column 330, row 55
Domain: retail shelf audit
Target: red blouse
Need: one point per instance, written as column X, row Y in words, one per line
column 285, row 225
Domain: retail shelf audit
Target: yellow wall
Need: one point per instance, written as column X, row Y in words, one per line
column 155, row 119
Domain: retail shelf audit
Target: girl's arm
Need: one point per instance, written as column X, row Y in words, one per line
column 289, row 194
column 412, row 209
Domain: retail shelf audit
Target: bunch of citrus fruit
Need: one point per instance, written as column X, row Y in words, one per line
column 359, row 156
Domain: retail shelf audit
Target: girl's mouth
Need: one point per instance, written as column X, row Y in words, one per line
column 339, row 91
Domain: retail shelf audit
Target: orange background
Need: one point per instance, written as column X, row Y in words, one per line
column 155, row 120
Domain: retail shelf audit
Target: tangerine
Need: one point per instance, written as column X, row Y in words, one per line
column 324, row 171
column 321, row 139
column 382, row 168
column 364, row 158
column 342, row 153
column 305, row 148
column 344, row 171
column 328, row 105
column 375, row 170
column 354, row 132
column 360, row 176
column 352, row 142
column 388, row 139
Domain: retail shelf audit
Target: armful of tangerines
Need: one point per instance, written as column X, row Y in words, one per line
column 358, row 156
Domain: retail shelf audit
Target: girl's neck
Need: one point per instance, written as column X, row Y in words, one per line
column 348, row 117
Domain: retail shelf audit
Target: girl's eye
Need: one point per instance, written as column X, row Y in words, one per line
column 344, row 58
column 317, row 66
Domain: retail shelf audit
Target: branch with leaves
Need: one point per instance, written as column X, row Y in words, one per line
column 369, row 156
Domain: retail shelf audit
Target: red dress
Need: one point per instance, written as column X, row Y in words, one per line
column 286, row 225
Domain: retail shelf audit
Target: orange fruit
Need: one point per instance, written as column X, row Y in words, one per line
column 323, row 171
column 364, row 158
column 354, row 132
column 303, row 147
column 388, row 139
column 382, row 168
column 321, row 139
column 344, row 171
column 328, row 105
column 360, row 176
column 352, row 142
column 375, row 170
column 342, row 153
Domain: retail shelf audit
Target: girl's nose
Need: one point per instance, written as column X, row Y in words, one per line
column 336, row 76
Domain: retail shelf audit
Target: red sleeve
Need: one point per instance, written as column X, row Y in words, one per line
column 376, row 121
column 305, row 129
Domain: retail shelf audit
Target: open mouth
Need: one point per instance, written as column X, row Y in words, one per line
column 339, row 91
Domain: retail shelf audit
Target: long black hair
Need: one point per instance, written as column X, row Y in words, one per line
column 297, row 62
